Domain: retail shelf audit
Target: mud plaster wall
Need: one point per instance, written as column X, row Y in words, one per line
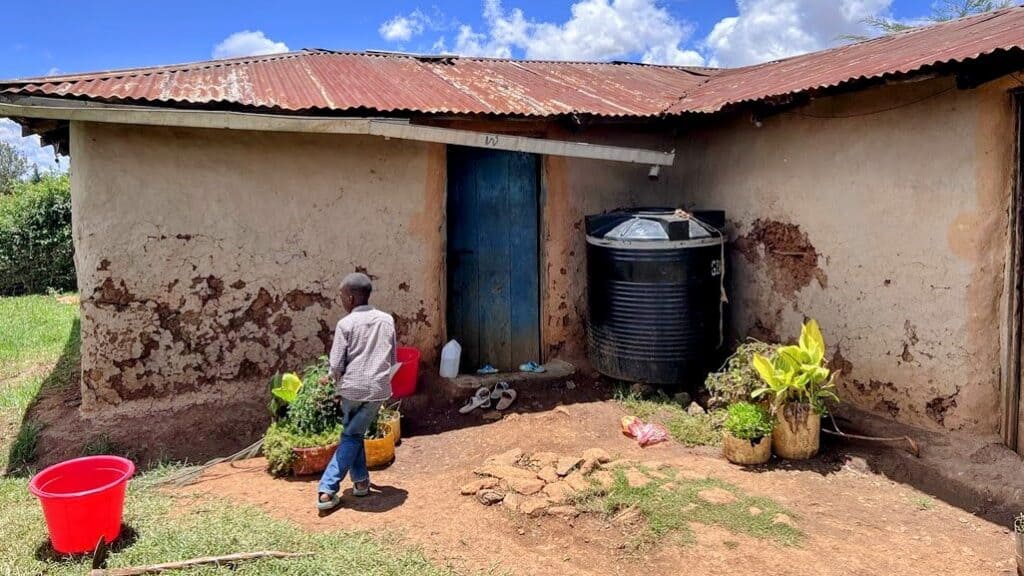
column 889, row 228
column 208, row 260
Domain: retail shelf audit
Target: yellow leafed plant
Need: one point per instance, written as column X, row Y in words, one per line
column 798, row 373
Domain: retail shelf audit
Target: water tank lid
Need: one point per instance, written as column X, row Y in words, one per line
column 638, row 229
column 653, row 225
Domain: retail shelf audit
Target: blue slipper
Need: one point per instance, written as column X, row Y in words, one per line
column 331, row 504
column 487, row 369
column 532, row 366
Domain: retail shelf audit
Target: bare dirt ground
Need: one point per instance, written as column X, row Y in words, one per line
column 856, row 522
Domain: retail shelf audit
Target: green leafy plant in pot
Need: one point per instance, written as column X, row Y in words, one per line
column 306, row 427
column 747, row 438
column 799, row 386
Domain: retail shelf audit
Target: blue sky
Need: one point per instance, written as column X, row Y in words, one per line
column 76, row 35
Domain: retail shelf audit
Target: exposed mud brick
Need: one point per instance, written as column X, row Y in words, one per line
column 478, row 485
column 936, row 408
column 788, row 255
column 559, row 491
column 717, row 496
column 567, row 464
column 598, row 454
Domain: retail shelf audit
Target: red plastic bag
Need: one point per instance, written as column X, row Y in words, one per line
column 645, row 433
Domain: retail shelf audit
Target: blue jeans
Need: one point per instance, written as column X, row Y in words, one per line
column 350, row 457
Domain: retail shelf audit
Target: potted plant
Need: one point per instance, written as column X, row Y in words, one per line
column 747, row 436
column 799, row 385
column 379, row 443
column 392, row 415
column 306, row 427
column 736, row 380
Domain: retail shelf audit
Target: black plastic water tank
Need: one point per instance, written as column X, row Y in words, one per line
column 654, row 294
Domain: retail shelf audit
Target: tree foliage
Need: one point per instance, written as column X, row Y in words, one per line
column 13, row 166
column 942, row 11
column 36, row 250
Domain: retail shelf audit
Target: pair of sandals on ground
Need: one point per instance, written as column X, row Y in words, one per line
column 359, row 489
column 502, row 393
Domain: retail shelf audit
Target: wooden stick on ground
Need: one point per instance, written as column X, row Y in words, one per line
column 914, row 448
column 214, row 560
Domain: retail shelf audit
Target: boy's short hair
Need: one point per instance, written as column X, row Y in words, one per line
column 358, row 284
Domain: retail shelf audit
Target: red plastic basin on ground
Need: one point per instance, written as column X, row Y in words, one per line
column 82, row 500
column 404, row 382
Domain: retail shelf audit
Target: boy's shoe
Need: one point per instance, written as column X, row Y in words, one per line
column 328, row 505
column 361, row 489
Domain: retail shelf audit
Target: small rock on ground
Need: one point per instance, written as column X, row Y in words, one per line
column 559, row 491
column 782, row 519
column 717, row 496
column 548, row 474
column 533, row 506
column 489, row 497
column 754, row 511
column 545, row 459
column 567, row 465
column 695, row 409
column 525, row 486
column 511, row 502
column 478, row 485
column 509, row 458
column 577, row 482
column 564, row 511
column 683, row 399
column 503, row 472
column 597, row 454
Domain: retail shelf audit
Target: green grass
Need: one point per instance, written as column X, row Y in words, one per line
column 165, row 532
column 669, row 503
column 38, row 348
column 33, row 329
column 691, row 430
column 923, row 502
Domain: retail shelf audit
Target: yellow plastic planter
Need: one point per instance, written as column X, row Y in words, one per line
column 380, row 452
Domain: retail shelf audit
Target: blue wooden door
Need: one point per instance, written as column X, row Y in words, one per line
column 493, row 268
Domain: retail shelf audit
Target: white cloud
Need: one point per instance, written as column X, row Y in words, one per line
column 596, row 30
column 247, row 43
column 10, row 132
column 403, row 28
column 772, row 29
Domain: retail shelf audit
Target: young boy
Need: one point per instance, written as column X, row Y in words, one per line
column 361, row 359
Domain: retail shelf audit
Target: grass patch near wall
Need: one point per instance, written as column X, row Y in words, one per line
column 688, row 429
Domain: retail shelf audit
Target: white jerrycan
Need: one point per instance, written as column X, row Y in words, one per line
column 450, row 356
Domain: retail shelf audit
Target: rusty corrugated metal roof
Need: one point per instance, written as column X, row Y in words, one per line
column 906, row 52
column 323, row 81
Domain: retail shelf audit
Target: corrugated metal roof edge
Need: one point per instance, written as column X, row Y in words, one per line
column 846, row 81
column 118, row 73
column 357, row 111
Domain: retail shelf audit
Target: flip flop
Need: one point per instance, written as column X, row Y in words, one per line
column 487, row 369
column 508, row 396
column 498, row 389
column 480, row 399
column 331, row 504
column 532, row 366
column 360, row 492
